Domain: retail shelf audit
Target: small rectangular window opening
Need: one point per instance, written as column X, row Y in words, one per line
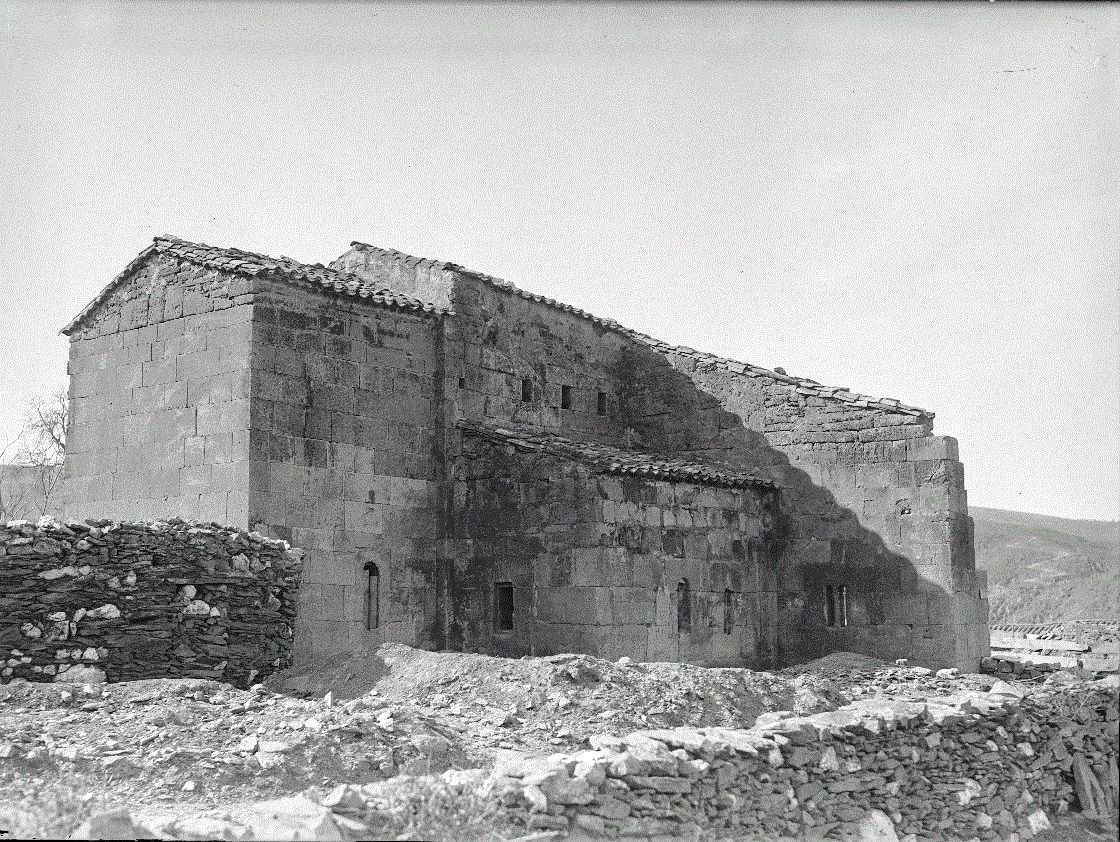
column 373, row 596
column 565, row 397
column 462, row 382
column 684, row 607
column 728, row 611
column 503, row 606
column 836, row 605
column 601, row 403
column 526, row 390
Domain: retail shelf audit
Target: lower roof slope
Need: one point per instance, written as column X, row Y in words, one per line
column 605, row 459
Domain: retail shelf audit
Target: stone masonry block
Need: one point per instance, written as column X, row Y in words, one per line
column 932, row 448
column 586, row 606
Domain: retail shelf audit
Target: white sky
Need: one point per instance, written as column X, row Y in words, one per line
column 914, row 201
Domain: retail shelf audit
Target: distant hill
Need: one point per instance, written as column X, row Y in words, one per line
column 1046, row 569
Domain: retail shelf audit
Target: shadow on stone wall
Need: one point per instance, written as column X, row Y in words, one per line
column 895, row 606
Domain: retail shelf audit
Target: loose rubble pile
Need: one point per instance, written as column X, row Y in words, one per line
column 556, row 702
column 103, row 600
column 880, row 749
column 193, row 740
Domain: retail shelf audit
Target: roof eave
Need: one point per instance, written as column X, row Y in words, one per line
column 122, row 276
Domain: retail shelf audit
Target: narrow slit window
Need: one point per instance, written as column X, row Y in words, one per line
column 526, row 390
column 462, row 382
column 684, row 606
column 601, row 403
column 728, row 611
column 830, row 605
column 373, row 596
column 503, row 606
column 842, row 605
column 565, row 397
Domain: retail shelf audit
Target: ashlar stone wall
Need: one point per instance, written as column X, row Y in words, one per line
column 159, row 398
column 105, row 600
column 873, row 502
column 220, row 385
column 500, row 344
column 596, row 561
column 345, row 462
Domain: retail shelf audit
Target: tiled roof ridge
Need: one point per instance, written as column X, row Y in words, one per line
column 247, row 263
column 395, row 254
column 803, row 385
column 608, row 459
column 285, row 268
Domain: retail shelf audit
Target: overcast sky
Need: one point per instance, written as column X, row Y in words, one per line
column 912, row 201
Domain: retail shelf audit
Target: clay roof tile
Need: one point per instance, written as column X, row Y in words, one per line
column 240, row 262
column 607, row 459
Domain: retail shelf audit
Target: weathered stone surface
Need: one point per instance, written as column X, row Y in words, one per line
column 131, row 613
column 324, row 408
column 930, row 776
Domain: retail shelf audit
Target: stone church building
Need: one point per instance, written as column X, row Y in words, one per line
column 474, row 467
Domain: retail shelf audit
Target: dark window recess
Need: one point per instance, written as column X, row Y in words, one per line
column 503, row 606
column 728, row 611
column 373, row 596
column 836, row 605
column 462, row 382
column 565, row 397
column 601, row 403
column 684, row 606
column 526, row 390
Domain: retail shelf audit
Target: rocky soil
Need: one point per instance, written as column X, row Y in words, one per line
column 178, row 747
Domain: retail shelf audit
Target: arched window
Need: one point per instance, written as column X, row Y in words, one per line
column 373, row 596
column 728, row 611
column 684, row 606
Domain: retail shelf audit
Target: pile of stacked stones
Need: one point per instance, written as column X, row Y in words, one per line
column 980, row 765
column 103, row 600
column 996, row 665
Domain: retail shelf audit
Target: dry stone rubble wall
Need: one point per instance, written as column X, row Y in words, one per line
column 979, row 766
column 105, row 600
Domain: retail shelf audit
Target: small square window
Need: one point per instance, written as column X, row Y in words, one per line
column 503, row 606
column 565, row 397
column 601, row 403
column 526, row 390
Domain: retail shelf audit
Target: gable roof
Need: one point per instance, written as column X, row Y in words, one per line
column 702, row 359
column 235, row 261
column 605, row 459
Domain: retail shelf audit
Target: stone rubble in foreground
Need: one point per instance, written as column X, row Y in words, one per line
column 997, row 765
